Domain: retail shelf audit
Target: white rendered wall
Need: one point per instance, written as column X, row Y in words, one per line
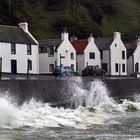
column 91, row 48
column 21, row 57
column 106, row 60
column 81, row 63
column 65, row 49
column 45, row 61
column 137, row 55
column 130, row 66
column 116, row 57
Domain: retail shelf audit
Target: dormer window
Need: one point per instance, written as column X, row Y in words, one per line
column 115, row 45
column 13, row 48
column 29, row 50
column 42, row 49
column 51, row 51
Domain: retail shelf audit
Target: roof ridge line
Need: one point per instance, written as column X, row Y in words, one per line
column 10, row 26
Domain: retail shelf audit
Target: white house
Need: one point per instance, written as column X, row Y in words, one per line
column 130, row 46
column 87, row 54
column 18, row 50
column 134, row 60
column 56, row 52
column 113, row 55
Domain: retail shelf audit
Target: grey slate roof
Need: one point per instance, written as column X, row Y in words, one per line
column 50, row 43
column 103, row 43
column 11, row 34
column 131, row 47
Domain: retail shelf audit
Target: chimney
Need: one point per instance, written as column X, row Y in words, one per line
column 24, row 26
column 138, row 41
column 117, row 35
column 91, row 38
column 73, row 38
column 65, row 35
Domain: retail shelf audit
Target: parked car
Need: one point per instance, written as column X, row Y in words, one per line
column 93, row 71
column 64, row 71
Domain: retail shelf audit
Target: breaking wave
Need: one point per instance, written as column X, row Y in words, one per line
column 98, row 108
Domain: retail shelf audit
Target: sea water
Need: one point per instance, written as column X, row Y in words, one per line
column 92, row 115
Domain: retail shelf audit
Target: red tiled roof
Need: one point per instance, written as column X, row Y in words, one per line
column 80, row 46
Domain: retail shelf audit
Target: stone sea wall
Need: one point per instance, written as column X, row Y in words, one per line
column 53, row 90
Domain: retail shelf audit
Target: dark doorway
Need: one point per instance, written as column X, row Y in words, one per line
column 0, row 67
column 137, row 67
column 13, row 66
column 104, row 67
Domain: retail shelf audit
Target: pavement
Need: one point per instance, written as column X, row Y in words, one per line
column 24, row 77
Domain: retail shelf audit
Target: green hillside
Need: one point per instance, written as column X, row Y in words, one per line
column 47, row 18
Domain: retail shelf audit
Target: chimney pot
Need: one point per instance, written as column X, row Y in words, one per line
column 24, row 26
column 117, row 35
column 65, row 34
column 91, row 38
column 138, row 41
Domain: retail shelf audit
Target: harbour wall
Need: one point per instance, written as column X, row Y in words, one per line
column 55, row 90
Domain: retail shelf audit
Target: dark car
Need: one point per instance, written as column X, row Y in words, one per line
column 87, row 71
column 93, row 71
column 64, row 71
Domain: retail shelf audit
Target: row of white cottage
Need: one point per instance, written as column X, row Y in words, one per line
column 20, row 52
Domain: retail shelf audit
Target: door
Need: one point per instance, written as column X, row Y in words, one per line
column 104, row 67
column 13, row 66
column 0, row 65
column 137, row 67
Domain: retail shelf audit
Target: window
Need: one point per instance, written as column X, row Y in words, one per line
column 91, row 55
column 72, row 66
column 123, row 54
column 29, row 50
column 104, row 67
column 51, row 51
column 42, row 49
column 13, row 48
column 115, row 45
column 29, row 64
column 116, row 67
column 123, row 67
column 72, row 56
column 51, row 67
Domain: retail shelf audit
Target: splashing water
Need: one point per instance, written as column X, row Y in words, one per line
column 38, row 114
column 76, row 93
column 98, row 109
column 95, row 96
column 8, row 113
column 98, row 94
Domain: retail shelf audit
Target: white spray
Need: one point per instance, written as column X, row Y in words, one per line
column 37, row 114
column 98, row 94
